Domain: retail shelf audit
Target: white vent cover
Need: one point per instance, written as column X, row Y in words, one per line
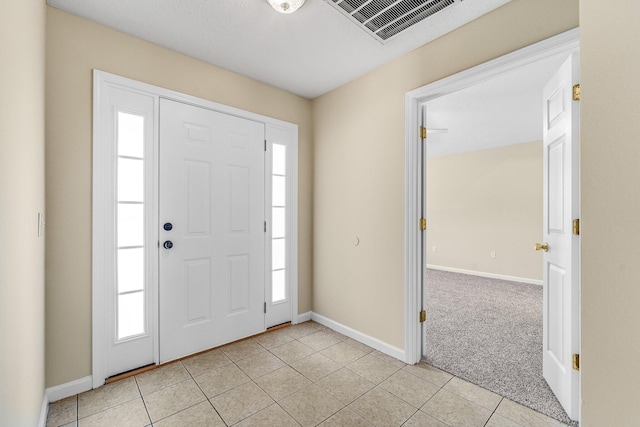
column 384, row 19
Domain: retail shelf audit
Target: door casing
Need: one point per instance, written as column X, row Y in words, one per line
column 101, row 82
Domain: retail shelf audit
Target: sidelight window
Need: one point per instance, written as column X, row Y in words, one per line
column 279, row 220
column 130, row 225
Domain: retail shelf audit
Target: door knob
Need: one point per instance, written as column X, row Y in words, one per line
column 167, row 226
column 542, row 247
column 168, row 244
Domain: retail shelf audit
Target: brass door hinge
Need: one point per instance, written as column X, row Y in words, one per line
column 423, row 132
column 576, row 92
column 576, row 227
column 576, row 362
column 422, row 224
column 423, row 316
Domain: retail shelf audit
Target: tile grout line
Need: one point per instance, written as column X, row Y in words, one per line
column 307, row 378
column 264, row 391
column 143, row 401
column 376, row 386
column 339, row 365
column 494, row 411
column 347, row 406
column 432, row 396
column 206, row 398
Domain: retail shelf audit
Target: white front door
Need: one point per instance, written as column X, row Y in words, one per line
column 212, row 229
column 561, row 294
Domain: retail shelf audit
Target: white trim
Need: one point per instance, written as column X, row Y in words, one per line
column 489, row 275
column 98, row 263
column 71, row 388
column 304, row 317
column 161, row 92
column 566, row 42
column 44, row 410
column 372, row 342
column 292, row 254
column 412, row 241
column 101, row 81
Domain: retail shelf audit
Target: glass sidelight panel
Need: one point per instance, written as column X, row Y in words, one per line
column 130, row 180
column 278, row 252
column 278, row 286
column 279, row 159
column 130, row 269
column 130, row 224
column 279, row 191
column 130, row 135
column 130, row 314
column 279, row 224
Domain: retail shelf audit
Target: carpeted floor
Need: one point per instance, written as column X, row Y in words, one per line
column 489, row 332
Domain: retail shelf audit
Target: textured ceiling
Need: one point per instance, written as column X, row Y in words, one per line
column 308, row 53
column 498, row 112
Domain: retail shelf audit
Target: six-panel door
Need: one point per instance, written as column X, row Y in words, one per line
column 211, row 191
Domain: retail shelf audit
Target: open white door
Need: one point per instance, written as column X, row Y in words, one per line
column 561, row 205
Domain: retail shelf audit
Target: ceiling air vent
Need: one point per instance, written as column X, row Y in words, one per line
column 384, row 19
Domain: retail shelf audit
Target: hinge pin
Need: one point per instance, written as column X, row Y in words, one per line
column 422, row 224
column 576, row 362
column 423, row 316
column 423, row 132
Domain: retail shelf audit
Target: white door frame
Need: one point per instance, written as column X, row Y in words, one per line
column 567, row 42
column 101, row 81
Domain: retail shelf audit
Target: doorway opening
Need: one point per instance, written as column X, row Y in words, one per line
column 431, row 249
column 484, row 203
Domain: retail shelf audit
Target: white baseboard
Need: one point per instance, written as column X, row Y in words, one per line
column 489, row 275
column 372, row 342
column 65, row 390
column 44, row 410
column 304, row 317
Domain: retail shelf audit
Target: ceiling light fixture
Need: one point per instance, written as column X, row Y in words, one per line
column 286, row 6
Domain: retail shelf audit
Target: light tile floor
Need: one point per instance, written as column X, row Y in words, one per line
column 303, row 375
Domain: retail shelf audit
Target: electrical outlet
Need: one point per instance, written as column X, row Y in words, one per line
column 493, row 254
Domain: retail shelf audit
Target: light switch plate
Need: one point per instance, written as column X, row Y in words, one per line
column 40, row 224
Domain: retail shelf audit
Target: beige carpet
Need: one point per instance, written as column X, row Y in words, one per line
column 489, row 332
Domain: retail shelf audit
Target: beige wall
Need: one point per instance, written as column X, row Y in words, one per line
column 483, row 201
column 358, row 134
column 22, row 78
column 74, row 48
column 359, row 164
column 610, row 177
